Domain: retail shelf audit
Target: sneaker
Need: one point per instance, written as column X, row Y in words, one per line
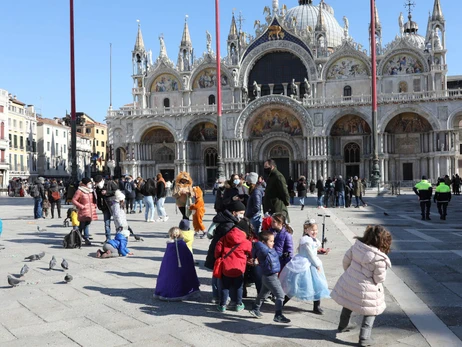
column 159, row 219
column 221, row 308
column 87, row 242
column 256, row 313
column 133, row 211
column 165, row 218
column 140, row 212
column 280, row 318
column 240, row 307
column 349, row 327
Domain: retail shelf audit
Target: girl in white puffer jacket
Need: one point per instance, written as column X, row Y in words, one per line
column 360, row 288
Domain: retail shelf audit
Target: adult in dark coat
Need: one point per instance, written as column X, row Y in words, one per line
column 301, row 190
column 276, row 197
column 235, row 190
column 225, row 221
column 105, row 189
column 54, row 201
column 219, row 195
column 320, row 188
column 291, row 188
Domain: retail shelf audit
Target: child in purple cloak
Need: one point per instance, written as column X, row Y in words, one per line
column 177, row 278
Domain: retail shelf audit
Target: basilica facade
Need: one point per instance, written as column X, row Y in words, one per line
column 297, row 90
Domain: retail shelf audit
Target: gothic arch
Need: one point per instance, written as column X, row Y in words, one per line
column 349, row 111
column 346, row 51
column 147, row 123
column 382, row 125
column 276, row 46
column 275, row 139
column 457, row 114
column 283, row 102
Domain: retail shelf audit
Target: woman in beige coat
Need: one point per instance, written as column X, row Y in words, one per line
column 360, row 288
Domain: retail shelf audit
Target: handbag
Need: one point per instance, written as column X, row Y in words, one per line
column 56, row 196
column 188, row 212
column 218, row 266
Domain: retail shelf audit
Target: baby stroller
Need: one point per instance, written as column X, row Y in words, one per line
column 67, row 221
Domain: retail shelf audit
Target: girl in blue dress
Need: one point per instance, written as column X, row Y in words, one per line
column 303, row 277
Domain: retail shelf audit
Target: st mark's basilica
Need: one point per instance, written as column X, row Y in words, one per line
column 298, row 90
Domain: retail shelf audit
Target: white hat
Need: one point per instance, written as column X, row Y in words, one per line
column 252, row 178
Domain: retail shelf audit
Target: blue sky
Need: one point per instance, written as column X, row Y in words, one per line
column 34, row 64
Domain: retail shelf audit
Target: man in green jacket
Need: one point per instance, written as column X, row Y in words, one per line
column 424, row 190
column 276, row 197
column 442, row 198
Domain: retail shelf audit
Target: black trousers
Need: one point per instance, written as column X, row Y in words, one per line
column 425, row 208
column 442, row 208
column 56, row 203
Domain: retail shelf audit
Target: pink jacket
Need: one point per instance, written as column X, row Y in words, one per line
column 85, row 202
column 360, row 287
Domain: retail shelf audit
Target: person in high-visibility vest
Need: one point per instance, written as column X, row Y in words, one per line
column 442, row 198
column 424, row 191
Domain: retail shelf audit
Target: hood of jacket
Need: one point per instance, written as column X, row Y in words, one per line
column 370, row 254
column 234, row 236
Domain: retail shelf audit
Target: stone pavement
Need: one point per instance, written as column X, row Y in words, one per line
column 109, row 302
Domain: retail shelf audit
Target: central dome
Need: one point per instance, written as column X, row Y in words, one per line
column 307, row 16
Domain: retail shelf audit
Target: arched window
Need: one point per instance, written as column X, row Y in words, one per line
column 211, row 99
column 2, row 130
column 210, row 157
column 352, row 153
column 347, row 92
column 166, row 102
column 402, row 87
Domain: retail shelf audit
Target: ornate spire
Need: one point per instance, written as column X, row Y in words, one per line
column 320, row 24
column 437, row 12
column 378, row 25
column 186, row 38
column 139, row 44
column 233, row 32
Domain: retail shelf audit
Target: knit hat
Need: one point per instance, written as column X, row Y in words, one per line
column 235, row 206
column 424, row 177
column 252, row 178
column 85, row 180
column 41, row 179
column 184, row 225
column 98, row 178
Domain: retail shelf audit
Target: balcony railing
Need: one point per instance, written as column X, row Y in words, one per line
column 333, row 101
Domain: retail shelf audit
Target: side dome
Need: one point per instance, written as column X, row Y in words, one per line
column 306, row 15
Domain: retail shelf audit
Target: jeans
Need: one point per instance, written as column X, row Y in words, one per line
column 160, row 208
column 138, row 202
column 302, row 201
column 341, row 199
column 366, row 326
column 320, row 198
column 149, row 211
column 270, row 284
column 231, row 286
column 84, row 227
column 107, row 222
column 38, row 212
column 256, row 223
column 216, row 288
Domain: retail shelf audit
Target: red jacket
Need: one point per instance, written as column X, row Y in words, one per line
column 234, row 265
column 86, row 204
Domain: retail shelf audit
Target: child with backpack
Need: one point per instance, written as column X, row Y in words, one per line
column 360, row 288
column 268, row 260
column 231, row 253
column 303, row 277
column 177, row 279
column 283, row 242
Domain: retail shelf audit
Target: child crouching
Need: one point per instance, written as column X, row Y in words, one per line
column 268, row 260
column 116, row 246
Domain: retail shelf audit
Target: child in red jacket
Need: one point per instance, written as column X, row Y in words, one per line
column 234, row 248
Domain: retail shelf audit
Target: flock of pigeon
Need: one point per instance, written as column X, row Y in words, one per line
column 15, row 280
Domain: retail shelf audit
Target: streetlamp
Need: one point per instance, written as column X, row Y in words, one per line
column 375, row 176
column 220, row 165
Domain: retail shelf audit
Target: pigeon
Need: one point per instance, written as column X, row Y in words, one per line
column 24, row 270
column 64, row 264
column 40, row 230
column 13, row 281
column 52, row 263
column 68, row 278
column 138, row 238
column 35, row 256
column 386, row 214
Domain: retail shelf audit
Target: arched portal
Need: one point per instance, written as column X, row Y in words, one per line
column 352, row 159
column 157, row 146
column 282, row 155
column 210, row 163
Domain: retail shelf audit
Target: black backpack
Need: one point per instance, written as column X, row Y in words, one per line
column 73, row 239
column 34, row 191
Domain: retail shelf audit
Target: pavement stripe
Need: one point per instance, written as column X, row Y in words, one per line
column 423, row 236
column 425, row 320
